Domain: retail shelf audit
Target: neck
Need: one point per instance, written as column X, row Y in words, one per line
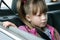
column 41, row 28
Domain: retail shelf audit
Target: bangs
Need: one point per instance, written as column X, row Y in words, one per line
column 40, row 6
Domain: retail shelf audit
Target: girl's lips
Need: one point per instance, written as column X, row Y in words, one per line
column 43, row 23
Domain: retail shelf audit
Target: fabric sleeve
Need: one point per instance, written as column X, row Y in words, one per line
column 22, row 28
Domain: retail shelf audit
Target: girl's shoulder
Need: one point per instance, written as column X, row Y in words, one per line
column 50, row 27
column 54, row 32
column 27, row 29
column 23, row 27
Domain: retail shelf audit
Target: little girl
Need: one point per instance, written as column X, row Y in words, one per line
column 34, row 16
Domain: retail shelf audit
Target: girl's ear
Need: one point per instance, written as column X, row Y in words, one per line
column 28, row 18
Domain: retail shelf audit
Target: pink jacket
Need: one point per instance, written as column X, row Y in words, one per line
column 34, row 32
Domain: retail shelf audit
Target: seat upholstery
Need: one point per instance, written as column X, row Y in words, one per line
column 54, row 6
column 54, row 19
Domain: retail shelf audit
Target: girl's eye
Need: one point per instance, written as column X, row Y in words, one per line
column 39, row 15
column 42, row 14
column 45, row 13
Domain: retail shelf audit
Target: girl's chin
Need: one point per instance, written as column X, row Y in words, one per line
column 42, row 25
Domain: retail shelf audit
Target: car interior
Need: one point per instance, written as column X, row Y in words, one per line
column 54, row 15
column 11, row 15
column 13, row 33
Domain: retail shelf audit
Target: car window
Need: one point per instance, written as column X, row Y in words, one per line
column 8, row 2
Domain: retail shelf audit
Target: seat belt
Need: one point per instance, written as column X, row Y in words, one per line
column 43, row 35
column 7, row 6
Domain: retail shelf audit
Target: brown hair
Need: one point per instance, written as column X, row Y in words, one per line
column 31, row 6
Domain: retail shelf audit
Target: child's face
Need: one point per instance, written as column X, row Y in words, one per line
column 39, row 20
column 37, row 16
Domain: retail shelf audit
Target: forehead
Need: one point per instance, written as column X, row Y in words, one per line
column 34, row 9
